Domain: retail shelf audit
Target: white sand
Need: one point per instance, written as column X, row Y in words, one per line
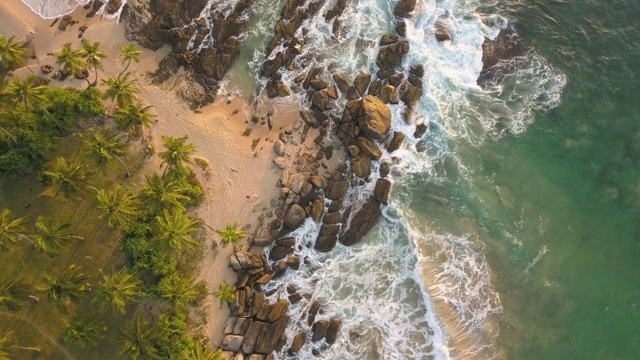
column 242, row 181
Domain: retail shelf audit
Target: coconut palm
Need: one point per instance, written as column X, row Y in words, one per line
column 69, row 287
column 159, row 193
column 12, row 293
column 67, row 177
column 202, row 352
column 104, row 148
column 226, row 293
column 231, row 234
column 133, row 117
column 9, row 345
column 130, row 53
column 11, row 230
column 71, row 61
column 117, row 290
column 173, row 230
column 139, row 340
column 178, row 291
column 119, row 206
column 11, row 52
column 83, row 331
column 177, row 152
column 93, row 57
column 120, row 90
column 24, row 92
column 53, row 237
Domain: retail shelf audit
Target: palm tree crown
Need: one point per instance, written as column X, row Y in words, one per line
column 130, row 53
column 133, row 117
column 67, row 177
column 12, row 293
column 202, row 352
column 69, row 287
column 11, row 230
column 226, row 293
column 93, row 56
column 139, row 340
column 177, row 151
column 11, row 52
column 231, row 234
column 118, row 206
column 174, row 229
column 178, row 291
column 160, row 193
column 121, row 90
column 117, row 290
column 52, row 237
column 24, row 92
column 83, row 331
column 104, row 148
column 8, row 344
column 71, row 61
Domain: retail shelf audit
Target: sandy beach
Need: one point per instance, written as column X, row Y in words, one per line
column 242, row 175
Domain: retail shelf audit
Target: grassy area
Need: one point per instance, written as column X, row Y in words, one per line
column 41, row 324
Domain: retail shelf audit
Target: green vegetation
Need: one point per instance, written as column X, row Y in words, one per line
column 231, row 234
column 138, row 230
column 130, row 53
column 226, row 293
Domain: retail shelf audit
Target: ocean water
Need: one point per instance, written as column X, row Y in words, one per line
column 513, row 229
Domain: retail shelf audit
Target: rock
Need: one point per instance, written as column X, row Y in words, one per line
column 352, row 93
column 396, row 141
column 279, row 309
column 288, row 242
column 46, row 69
column 317, row 208
column 385, row 168
column 298, row 342
column 396, row 80
column 113, row 6
column 227, row 355
column 255, row 329
column 282, row 89
column 401, row 28
column 318, row 84
column 376, row 120
column 506, row 46
column 280, row 252
column 268, row 339
column 388, row 39
column 361, row 83
column 332, row 92
column 391, row 56
column 306, row 193
column 313, row 311
column 326, row 243
column 294, row 298
column 332, row 331
column 240, row 326
column 353, row 150
column 317, row 182
column 65, row 22
column 230, row 325
column 257, row 303
column 388, row 94
column 297, row 182
column 295, row 217
column 361, row 166
column 278, row 147
column 382, row 190
column 328, row 152
column 293, row 262
column 280, row 162
column 232, row 342
column 417, row 70
column 319, row 330
column 404, row 8
column 342, row 82
column 421, row 129
column 332, row 218
column 320, row 100
column 264, row 279
column 256, row 357
column 366, row 218
column 368, row 148
column 442, row 32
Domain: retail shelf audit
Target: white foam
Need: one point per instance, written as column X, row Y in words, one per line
column 51, row 9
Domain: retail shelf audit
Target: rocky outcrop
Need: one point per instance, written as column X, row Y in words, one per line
column 506, row 46
column 390, row 57
column 396, row 141
column 375, row 119
column 404, row 8
column 362, row 222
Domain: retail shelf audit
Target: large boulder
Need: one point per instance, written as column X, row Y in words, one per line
column 295, row 216
column 361, row 166
column 404, row 8
column 396, row 141
column 268, row 339
column 362, row 222
column 375, row 118
column 391, row 56
column 319, row 330
column 369, row 148
column 506, row 46
column 332, row 331
column 382, row 190
column 298, row 342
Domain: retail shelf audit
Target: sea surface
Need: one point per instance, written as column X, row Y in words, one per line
column 513, row 230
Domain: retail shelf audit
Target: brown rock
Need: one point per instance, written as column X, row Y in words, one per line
column 320, row 100
column 361, row 83
column 361, row 166
column 442, row 32
column 396, row 141
column 319, row 330
column 404, row 8
column 368, row 148
column 388, row 39
column 342, row 82
column 385, row 168
column 388, row 94
column 295, row 216
column 332, row 218
column 279, row 309
column 366, row 218
column 268, row 339
column 255, row 329
column 326, row 243
column 257, row 303
column 232, row 342
column 317, row 209
column 332, row 331
column 264, row 279
column 313, row 311
column 298, row 342
column 391, row 56
column 421, row 129
column 382, row 190
column 293, row 262
column 376, row 120
column 318, row 84
column 401, row 28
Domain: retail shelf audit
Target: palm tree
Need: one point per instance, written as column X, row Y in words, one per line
column 117, row 290
column 11, row 52
column 202, row 352
column 133, row 117
column 105, row 148
column 118, row 206
column 71, row 61
column 9, row 345
column 53, row 238
column 11, row 230
column 24, row 92
column 178, row 151
column 130, row 53
column 67, row 177
column 3, row 122
column 69, row 287
column 174, row 229
column 12, row 292
column 231, row 234
column 139, row 340
column 161, row 193
column 93, row 57
column 121, row 90
column 83, row 331
column 178, row 291
column 226, row 293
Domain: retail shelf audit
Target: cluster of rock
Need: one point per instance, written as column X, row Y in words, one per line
column 256, row 327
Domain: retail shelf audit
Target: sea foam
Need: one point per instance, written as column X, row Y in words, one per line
column 51, row 9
